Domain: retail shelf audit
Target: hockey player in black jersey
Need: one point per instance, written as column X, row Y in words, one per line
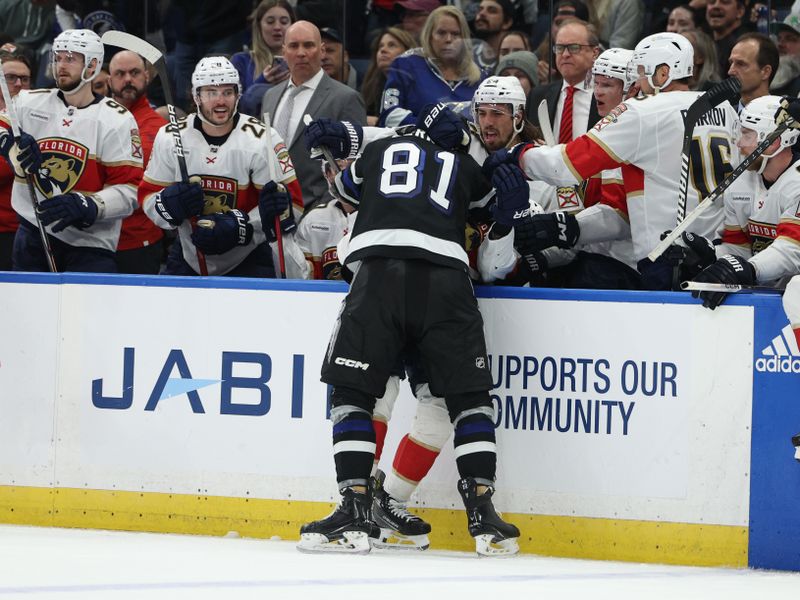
column 411, row 288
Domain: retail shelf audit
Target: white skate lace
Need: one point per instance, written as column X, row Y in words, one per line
column 398, row 509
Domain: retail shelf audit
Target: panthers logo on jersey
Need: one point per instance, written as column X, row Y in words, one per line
column 220, row 194
column 63, row 163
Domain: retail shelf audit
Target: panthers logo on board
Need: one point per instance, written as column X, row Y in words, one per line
column 220, row 194
column 63, row 163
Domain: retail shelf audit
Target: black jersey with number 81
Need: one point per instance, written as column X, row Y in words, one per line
column 412, row 198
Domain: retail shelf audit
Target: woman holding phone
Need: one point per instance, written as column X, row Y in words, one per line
column 263, row 66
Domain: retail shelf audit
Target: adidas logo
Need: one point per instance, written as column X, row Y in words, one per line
column 782, row 355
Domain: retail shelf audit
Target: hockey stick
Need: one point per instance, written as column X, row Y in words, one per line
column 153, row 55
column 714, row 96
column 277, row 224
column 544, row 124
column 719, row 190
column 726, row 288
column 12, row 117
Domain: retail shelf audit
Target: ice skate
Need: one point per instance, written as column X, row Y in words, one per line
column 346, row 529
column 493, row 536
column 796, row 444
column 399, row 529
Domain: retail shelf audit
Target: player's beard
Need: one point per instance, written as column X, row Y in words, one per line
column 69, row 86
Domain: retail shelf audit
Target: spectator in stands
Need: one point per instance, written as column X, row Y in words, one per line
column 269, row 22
column 619, row 22
column 18, row 77
column 308, row 91
column 494, row 18
column 754, row 60
column 681, row 18
column 724, row 18
column 336, row 60
column 513, row 41
column 443, row 70
column 564, row 9
column 385, row 48
column 100, row 83
column 787, row 78
column 29, row 23
column 524, row 66
column 414, row 14
column 705, row 72
column 570, row 103
column 140, row 245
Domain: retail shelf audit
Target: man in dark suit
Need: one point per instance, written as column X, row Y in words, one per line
column 308, row 91
column 570, row 102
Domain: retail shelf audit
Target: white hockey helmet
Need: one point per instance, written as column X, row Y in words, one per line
column 671, row 49
column 80, row 41
column 759, row 116
column 501, row 90
column 614, row 63
column 214, row 70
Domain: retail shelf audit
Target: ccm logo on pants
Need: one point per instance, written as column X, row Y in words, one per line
column 349, row 362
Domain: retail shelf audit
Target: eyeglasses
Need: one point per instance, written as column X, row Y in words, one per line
column 23, row 79
column 573, row 48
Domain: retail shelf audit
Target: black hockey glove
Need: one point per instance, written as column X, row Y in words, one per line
column 26, row 157
column 532, row 268
column 342, row 138
column 220, row 232
column 699, row 254
column 505, row 156
column 537, row 232
column 274, row 201
column 730, row 270
column 790, row 107
column 444, row 127
column 513, row 195
column 68, row 209
column 180, row 201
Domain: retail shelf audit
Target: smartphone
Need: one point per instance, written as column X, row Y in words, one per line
column 280, row 62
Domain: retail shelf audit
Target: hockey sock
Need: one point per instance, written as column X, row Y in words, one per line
column 474, row 442
column 412, row 461
column 353, row 436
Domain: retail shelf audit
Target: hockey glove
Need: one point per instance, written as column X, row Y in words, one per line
column 512, row 195
column 505, row 156
column 532, row 268
column 342, row 138
column 220, row 232
column 274, row 201
column 538, row 232
column 68, row 209
column 699, row 254
column 180, row 201
column 444, row 127
column 25, row 156
column 730, row 270
column 790, row 107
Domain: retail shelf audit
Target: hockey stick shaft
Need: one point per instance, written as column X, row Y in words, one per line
column 324, row 149
column 728, row 288
column 277, row 224
column 701, row 208
column 11, row 111
column 126, row 41
column 544, row 124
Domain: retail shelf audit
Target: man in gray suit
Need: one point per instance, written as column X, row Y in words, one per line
column 308, row 91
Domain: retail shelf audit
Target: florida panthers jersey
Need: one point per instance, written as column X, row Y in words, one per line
column 94, row 150
column 412, row 198
column 644, row 137
column 764, row 223
column 232, row 175
column 318, row 233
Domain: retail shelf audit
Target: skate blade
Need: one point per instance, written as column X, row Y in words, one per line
column 485, row 546
column 352, row 542
column 392, row 540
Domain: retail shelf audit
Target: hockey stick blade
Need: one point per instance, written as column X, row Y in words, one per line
column 544, row 124
column 126, row 41
column 726, row 288
column 719, row 190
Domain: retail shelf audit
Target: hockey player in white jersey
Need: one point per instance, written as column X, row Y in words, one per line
column 643, row 137
column 761, row 240
column 225, row 212
column 85, row 156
